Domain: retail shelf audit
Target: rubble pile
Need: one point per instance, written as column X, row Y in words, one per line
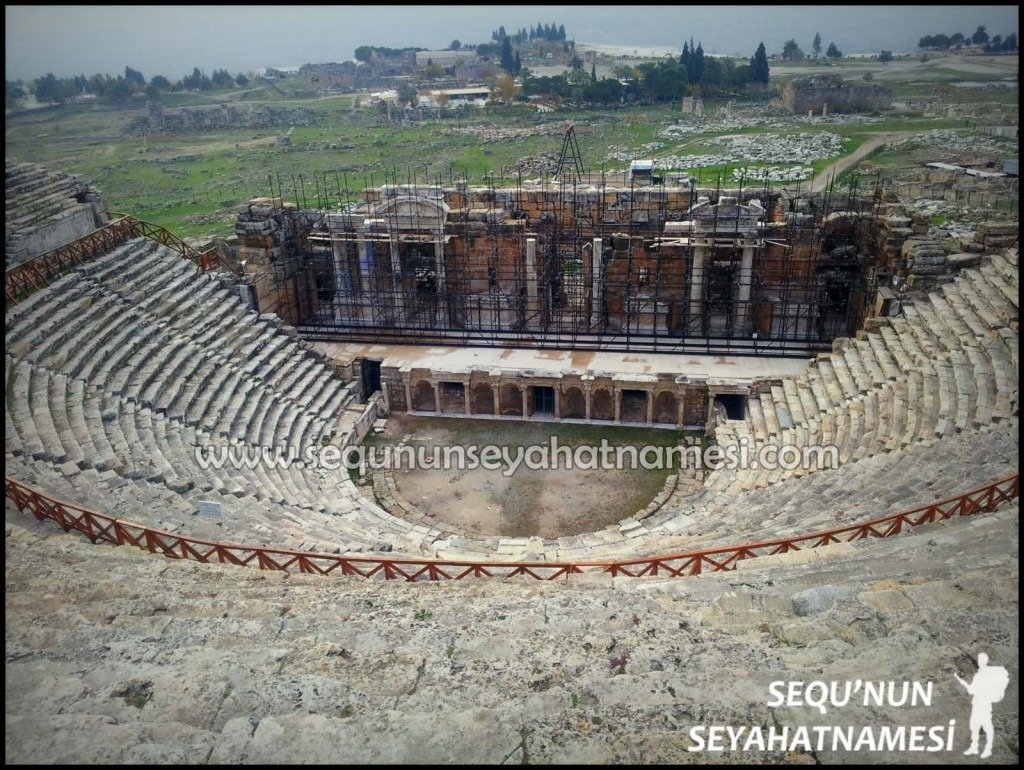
column 542, row 164
column 198, row 119
column 488, row 133
column 957, row 140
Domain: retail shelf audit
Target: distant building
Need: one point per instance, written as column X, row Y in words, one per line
column 476, row 96
column 445, row 59
column 830, row 93
column 641, row 171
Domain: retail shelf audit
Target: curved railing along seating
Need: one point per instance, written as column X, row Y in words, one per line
column 127, row 364
column 32, row 275
column 99, row 527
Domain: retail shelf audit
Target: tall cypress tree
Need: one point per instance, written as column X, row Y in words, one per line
column 508, row 62
column 696, row 70
column 759, row 65
column 684, row 59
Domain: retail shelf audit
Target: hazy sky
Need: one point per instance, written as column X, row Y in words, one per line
column 170, row 40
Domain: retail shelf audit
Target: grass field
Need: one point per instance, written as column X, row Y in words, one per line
column 190, row 183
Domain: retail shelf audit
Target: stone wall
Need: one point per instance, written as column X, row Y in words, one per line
column 197, row 119
column 820, row 95
column 44, row 210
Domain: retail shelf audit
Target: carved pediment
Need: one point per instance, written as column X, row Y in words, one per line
column 413, row 213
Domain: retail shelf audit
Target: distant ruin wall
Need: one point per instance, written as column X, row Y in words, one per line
column 817, row 97
column 198, row 119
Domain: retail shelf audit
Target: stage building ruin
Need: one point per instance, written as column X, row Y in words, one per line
column 578, row 262
column 588, row 266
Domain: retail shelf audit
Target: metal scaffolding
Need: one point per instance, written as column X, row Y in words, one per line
column 596, row 262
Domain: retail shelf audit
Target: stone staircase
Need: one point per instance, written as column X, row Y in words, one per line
column 122, row 373
column 947, row 365
column 119, row 375
column 36, row 200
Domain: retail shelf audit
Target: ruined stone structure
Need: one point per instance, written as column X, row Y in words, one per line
column 196, row 119
column 599, row 266
column 823, row 94
column 122, row 368
column 45, row 210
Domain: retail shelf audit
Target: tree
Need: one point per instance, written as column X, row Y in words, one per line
column 160, row 82
column 241, row 79
column 759, row 65
column 407, row 94
column 791, row 51
column 508, row 62
column 593, row 71
column 604, row 91
column 197, row 80
column 49, row 89
column 980, row 36
column 816, row 45
column 505, row 87
column 134, row 76
column 455, row 45
column 152, row 91
column 13, row 92
column 885, row 56
column 696, row 69
column 833, row 52
column 364, row 53
column 517, row 64
column 442, row 100
column 118, row 91
column 222, row 78
column 1010, row 42
column 868, row 77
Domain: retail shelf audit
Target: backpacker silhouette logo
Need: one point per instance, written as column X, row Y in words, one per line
column 863, row 697
column 987, row 687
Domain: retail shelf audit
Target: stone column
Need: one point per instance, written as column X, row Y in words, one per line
column 558, row 401
column 681, row 420
column 366, row 277
column 465, row 394
column 650, row 407
column 496, row 395
column 596, row 306
column 709, row 419
column 396, row 281
column 408, row 393
column 742, row 315
column 617, row 395
column 440, row 279
column 365, row 263
column 339, row 277
column 531, row 275
column 696, row 289
column 437, row 396
column 586, row 401
column 522, row 391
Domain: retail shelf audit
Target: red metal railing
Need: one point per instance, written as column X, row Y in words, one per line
column 99, row 527
column 28, row 277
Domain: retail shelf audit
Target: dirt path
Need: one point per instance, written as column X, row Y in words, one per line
column 823, row 177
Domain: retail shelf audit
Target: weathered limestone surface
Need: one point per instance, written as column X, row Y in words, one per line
column 44, row 210
column 118, row 656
